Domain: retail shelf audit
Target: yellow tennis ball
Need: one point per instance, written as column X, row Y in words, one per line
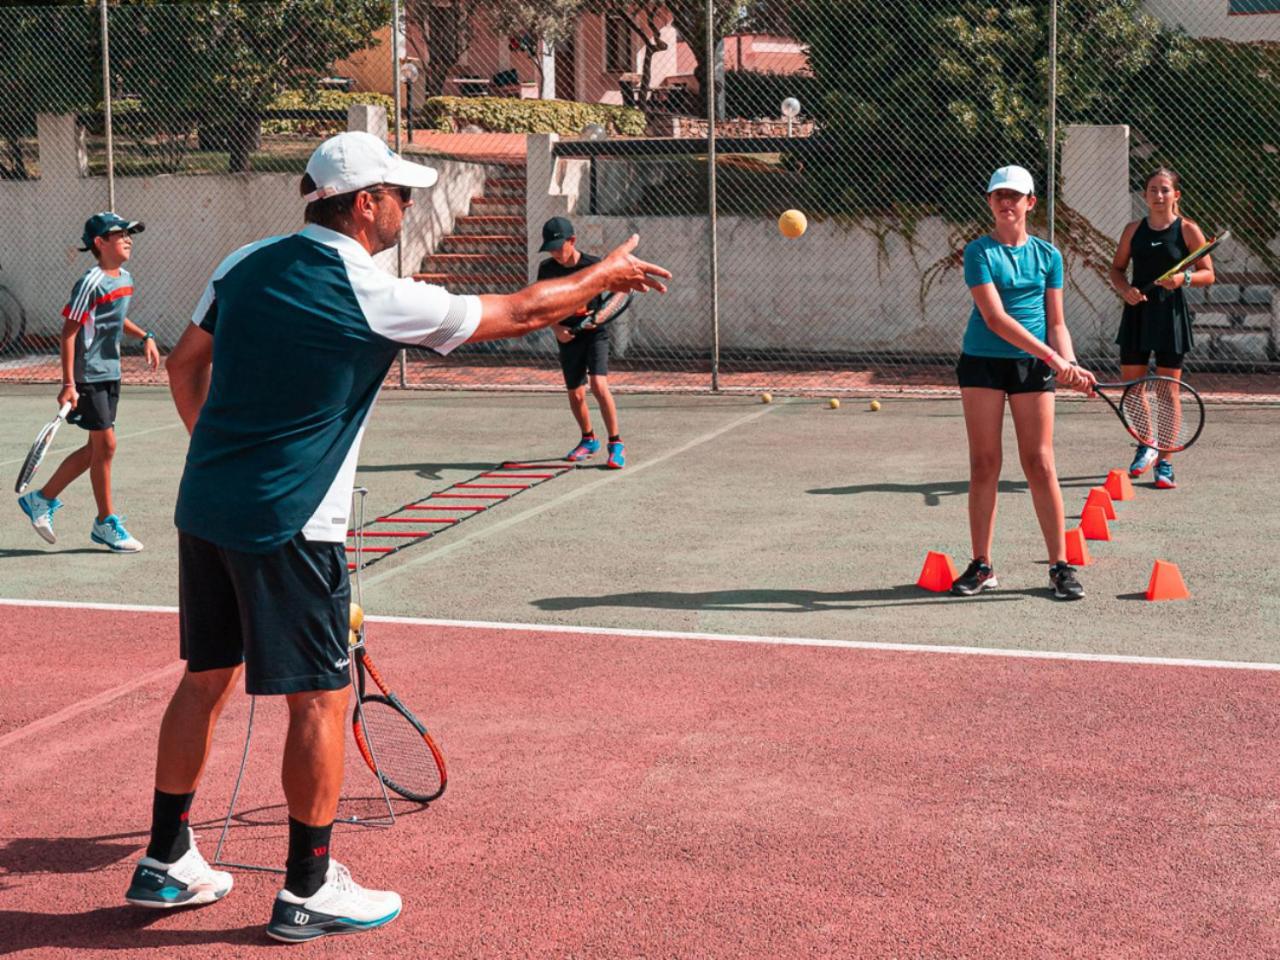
column 792, row 223
column 766, row 398
column 357, row 616
column 875, row 404
column 833, row 403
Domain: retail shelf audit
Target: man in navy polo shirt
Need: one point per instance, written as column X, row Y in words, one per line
column 275, row 379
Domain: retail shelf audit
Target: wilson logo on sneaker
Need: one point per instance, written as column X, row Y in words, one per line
column 300, row 918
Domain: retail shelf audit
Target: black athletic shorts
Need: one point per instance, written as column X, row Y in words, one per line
column 1009, row 374
column 1141, row 358
column 585, row 353
column 96, row 409
column 283, row 614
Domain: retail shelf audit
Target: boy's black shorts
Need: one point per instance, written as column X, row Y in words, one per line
column 284, row 614
column 1009, row 374
column 96, row 409
column 585, row 353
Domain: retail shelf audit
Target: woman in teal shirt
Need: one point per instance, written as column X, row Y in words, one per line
column 1016, row 346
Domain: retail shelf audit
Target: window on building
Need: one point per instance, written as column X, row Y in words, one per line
column 1253, row 6
column 617, row 45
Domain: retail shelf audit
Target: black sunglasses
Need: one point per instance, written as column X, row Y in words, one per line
column 405, row 193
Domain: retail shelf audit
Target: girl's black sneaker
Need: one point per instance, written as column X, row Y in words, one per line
column 978, row 576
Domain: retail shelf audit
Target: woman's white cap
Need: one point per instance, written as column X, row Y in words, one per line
column 1012, row 178
column 355, row 160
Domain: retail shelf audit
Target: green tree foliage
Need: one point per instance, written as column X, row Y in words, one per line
column 921, row 99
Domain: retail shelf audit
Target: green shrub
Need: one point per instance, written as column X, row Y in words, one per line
column 509, row 115
column 320, row 100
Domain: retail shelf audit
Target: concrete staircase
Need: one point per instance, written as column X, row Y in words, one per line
column 486, row 253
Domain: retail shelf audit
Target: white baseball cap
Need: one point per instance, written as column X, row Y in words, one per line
column 1012, row 178
column 354, row 160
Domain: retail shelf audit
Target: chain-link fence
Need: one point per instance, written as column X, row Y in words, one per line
column 880, row 121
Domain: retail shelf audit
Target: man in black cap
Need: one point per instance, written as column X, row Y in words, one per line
column 584, row 355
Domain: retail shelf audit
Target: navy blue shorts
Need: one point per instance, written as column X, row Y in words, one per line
column 96, row 408
column 1008, row 374
column 284, row 614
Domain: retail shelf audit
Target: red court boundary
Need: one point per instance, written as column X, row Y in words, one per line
column 619, row 794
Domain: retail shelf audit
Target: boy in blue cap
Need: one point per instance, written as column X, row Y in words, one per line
column 94, row 322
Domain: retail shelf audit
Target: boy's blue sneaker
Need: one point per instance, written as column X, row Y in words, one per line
column 112, row 534
column 40, row 512
column 586, row 448
column 617, row 455
column 1142, row 460
column 1164, row 475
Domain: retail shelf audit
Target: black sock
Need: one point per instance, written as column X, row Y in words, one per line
column 169, row 837
column 308, row 858
column 589, row 435
column 615, row 438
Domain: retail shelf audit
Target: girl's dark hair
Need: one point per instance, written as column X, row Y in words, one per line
column 332, row 212
column 1174, row 178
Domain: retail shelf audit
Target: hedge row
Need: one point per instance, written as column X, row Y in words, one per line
column 509, row 115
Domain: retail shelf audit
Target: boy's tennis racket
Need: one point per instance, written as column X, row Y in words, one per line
column 44, row 440
column 1161, row 412
column 611, row 306
column 407, row 759
column 1189, row 259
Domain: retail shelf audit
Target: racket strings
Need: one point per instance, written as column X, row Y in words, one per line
column 1161, row 413
column 402, row 753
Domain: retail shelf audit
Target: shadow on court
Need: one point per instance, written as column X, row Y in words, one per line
column 49, row 552
column 934, row 492
column 777, row 601
column 112, row 928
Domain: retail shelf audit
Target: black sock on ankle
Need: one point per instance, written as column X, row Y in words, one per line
column 308, row 861
column 615, row 438
column 169, row 837
column 589, row 435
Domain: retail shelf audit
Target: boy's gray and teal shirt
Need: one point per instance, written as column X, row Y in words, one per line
column 99, row 303
column 304, row 330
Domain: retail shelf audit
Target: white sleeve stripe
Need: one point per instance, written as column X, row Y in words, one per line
column 87, row 290
column 450, row 325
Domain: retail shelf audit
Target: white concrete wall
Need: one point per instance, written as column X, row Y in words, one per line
column 192, row 223
column 1210, row 18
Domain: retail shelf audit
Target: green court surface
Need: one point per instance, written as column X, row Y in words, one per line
column 732, row 517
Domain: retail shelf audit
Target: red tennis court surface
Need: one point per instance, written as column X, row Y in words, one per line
column 623, row 796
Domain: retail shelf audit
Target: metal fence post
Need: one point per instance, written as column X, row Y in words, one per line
column 106, row 105
column 1051, row 193
column 709, row 74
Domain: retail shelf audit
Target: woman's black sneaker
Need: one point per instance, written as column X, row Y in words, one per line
column 978, row 576
column 1065, row 584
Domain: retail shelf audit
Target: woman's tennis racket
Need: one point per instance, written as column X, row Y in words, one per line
column 1161, row 412
column 1192, row 257
column 44, row 440
column 611, row 306
column 394, row 743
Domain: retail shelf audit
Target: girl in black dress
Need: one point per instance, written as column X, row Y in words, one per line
column 1158, row 322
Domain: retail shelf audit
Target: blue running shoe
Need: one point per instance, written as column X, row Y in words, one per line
column 617, row 455
column 1142, row 460
column 587, row 448
column 1164, row 475
column 111, row 533
column 40, row 512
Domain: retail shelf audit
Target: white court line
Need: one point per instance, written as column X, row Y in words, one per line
column 123, row 436
column 734, row 638
column 582, row 491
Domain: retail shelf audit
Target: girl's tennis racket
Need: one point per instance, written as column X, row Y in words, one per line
column 44, row 440
column 394, row 743
column 1192, row 257
column 1161, row 412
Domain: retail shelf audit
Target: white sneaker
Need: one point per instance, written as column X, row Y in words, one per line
column 111, row 533
column 187, row 882
column 40, row 512
column 340, row 906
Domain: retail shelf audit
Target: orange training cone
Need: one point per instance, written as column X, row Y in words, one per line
column 1118, row 486
column 1098, row 497
column 938, row 573
column 1093, row 524
column 1077, row 549
column 1166, row 583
